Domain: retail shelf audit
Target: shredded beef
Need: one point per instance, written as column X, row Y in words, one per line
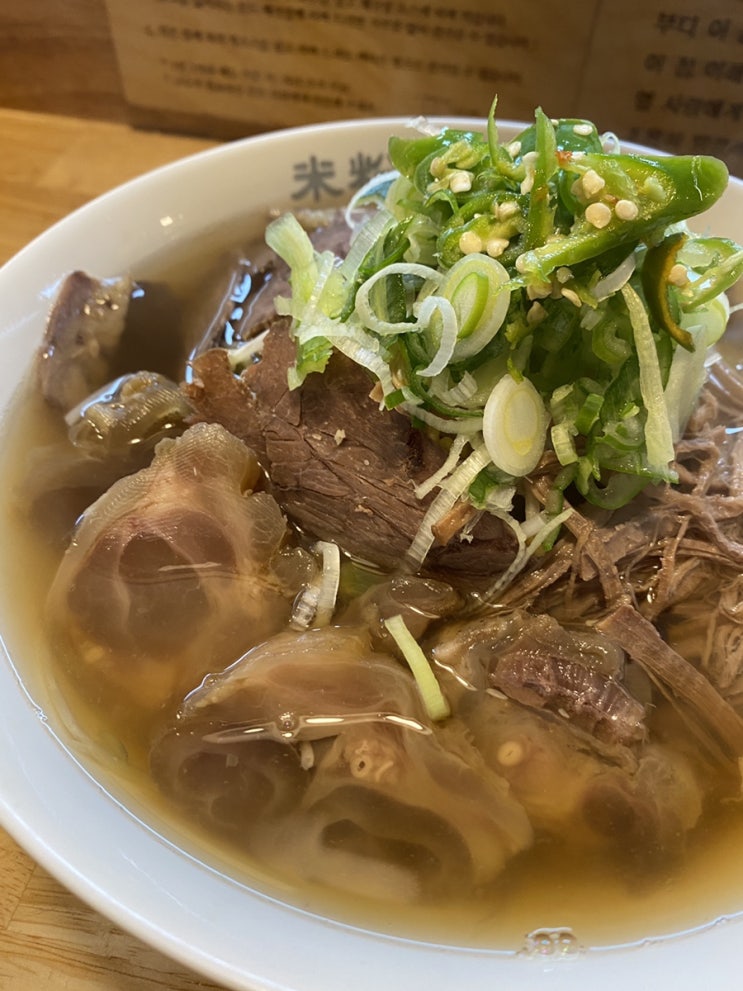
column 676, row 676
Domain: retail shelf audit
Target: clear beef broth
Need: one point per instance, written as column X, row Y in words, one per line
column 599, row 814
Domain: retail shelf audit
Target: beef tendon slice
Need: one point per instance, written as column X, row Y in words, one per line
column 326, row 737
column 127, row 417
column 637, row 805
column 549, row 710
column 427, row 803
column 171, row 573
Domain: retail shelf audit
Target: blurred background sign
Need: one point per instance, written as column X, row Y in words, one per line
column 664, row 73
column 668, row 74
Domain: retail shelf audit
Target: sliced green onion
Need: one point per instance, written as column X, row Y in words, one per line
column 721, row 261
column 312, row 355
column 330, row 580
column 447, row 336
column 658, row 432
column 457, row 337
column 618, row 490
column 688, row 369
column 563, row 442
column 476, row 285
column 290, row 241
column 607, row 343
column 451, row 462
column 451, row 489
column 315, row 604
column 526, row 550
column 373, row 231
column 364, row 309
column 363, row 349
column 433, row 698
column 468, row 425
column 589, row 412
column 708, row 322
column 459, row 394
column 373, row 191
column 328, row 294
column 614, row 281
column 315, row 280
column 515, row 426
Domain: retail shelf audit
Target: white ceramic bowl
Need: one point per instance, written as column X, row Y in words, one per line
column 101, row 850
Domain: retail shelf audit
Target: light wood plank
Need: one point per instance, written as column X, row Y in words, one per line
column 51, row 165
column 16, row 869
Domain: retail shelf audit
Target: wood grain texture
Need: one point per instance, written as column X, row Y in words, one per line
column 57, row 56
column 50, row 165
column 49, row 939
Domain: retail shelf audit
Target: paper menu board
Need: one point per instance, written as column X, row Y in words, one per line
column 669, row 75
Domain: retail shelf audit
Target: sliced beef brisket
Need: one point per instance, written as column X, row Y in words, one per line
column 341, row 468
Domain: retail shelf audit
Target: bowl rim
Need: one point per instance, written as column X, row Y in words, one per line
column 163, row 917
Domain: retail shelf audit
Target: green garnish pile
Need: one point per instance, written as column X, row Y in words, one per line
column 538, row 295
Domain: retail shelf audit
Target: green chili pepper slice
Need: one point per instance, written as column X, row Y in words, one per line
column 663, row 190
column 655, row 272
column 720, row 262
column 541, row 212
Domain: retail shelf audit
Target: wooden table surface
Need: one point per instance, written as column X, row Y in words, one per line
column 49, row 939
